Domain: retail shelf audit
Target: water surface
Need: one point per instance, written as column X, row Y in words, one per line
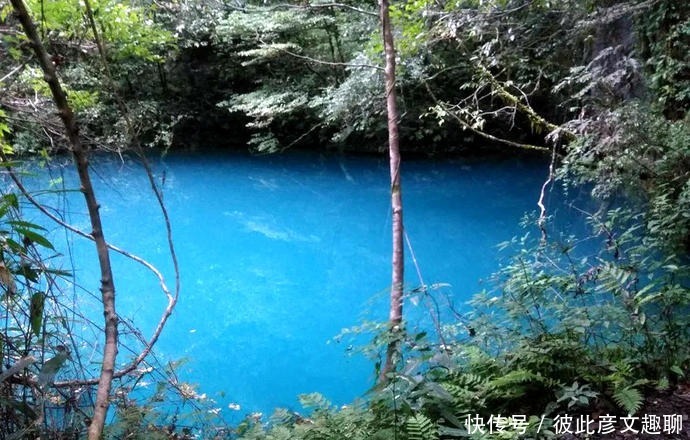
column 279, row 253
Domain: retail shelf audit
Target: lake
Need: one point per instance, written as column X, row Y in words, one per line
column 279, row 253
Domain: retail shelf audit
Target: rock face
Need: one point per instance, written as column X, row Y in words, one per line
column 618, row 73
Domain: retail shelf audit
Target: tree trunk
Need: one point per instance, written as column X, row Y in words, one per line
column 396, row 295
column 82, row 165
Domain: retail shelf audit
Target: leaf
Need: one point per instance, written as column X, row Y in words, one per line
column 25, row 224
column 11, row 199
column 30, row 273
column 5, row 201
column 6, row 279
column 13, row 246
column 677, row 370
column 36, row 312
column 58, row 272
column 629, row 399
column 52, row 366
column 420, row 427
column 35, row 237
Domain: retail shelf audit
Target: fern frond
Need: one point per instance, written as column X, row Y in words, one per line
column 516, row 377
column 315, row 401
column 471, row 381
column 420, row 427
column 629, row 399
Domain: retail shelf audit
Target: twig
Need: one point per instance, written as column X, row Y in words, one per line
column 12, row 72
column 425, row 291
column 480, row 132
column 503, row 93
column 330, row 63
column 307, row 7
column 542, row 214
column 302, row 136
column 171, row 298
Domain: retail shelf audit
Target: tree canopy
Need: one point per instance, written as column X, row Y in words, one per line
column 599, row 87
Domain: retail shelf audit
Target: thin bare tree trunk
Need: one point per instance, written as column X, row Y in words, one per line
column 82, row 165
column 396, row 295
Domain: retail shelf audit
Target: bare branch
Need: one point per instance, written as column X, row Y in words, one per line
column 504, row 94
column 541, row 222
column 307, row 6
column 329, row 63
column 17, row 367
column 172, row 298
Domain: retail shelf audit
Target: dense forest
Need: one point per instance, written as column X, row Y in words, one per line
column 600, row 88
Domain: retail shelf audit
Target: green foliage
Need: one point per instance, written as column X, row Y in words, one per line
column 356, row 105
column 409, row 17
column 665, row 38
column 264, row 106
column 636, row 152
column 269, row 26
column 22, row 271
column 5, row 148
column 287, row 61
column 628, row 398
column 127, row 29
column 353, row 421
column 36, row 312
column 135, row 47
column 420, row 427
column 577, row 396
column 32, row 324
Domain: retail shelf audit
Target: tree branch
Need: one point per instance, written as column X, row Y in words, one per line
column 541, row 222
column 307, row 7
column 481, row 133
column 329, row 63
column 149, row 174
column 504, row 94
column 148, row 345
column 81, row 163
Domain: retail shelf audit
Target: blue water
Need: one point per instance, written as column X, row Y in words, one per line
column 279, row 253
